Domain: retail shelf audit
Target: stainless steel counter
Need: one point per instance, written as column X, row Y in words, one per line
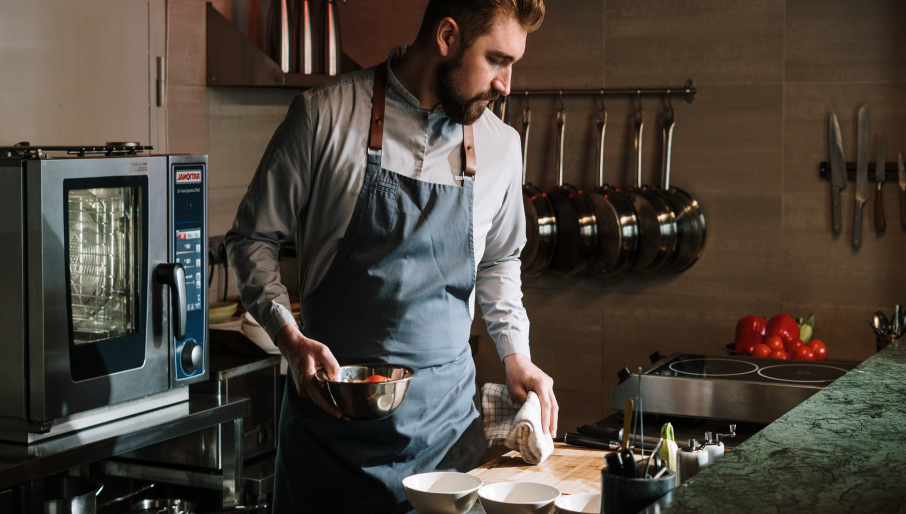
column 21, row 463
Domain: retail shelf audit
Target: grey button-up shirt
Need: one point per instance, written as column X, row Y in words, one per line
column 310, row 176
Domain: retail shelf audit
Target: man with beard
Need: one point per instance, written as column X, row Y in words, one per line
column 403, row 193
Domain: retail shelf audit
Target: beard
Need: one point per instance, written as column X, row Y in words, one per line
column 457, row 105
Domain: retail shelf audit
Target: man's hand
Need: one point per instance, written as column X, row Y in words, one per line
column 521, row 377
column 305, row 358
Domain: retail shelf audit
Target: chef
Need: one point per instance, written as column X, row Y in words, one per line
column 403, row 192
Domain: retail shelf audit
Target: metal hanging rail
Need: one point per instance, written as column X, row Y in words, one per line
column 687, row 91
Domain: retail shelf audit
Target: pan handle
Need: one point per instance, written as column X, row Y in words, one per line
column 639, row 127
column 669, row 117
column 602, row 127
column 526, row 123
column 561, row 130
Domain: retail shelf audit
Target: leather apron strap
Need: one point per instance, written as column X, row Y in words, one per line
column 376, row 142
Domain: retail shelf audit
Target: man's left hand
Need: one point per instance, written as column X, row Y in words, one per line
column 521, row 377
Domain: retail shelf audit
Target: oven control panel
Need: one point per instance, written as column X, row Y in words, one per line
column 190, row 249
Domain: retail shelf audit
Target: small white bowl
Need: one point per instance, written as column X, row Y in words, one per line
column 442, row 492
column 579, row 503
column 518, row 498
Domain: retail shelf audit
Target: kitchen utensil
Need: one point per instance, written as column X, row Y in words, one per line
column 880, row 223
column 884, row 323
column 640, row 417
column 630, row 468
column 617, row 226
column 331, row 43
column 540, row 218
column 614, row 463
column 657, row 223
column 305, row 57
column 599, row 432
column 518, row 498
column 896, row 320
column 585, row 503
column 627, row 422
column 597, row 443
column 368, row 400
column 660, row 473
column 838, row 170
column 71, row 495
column 621, row 495
column 279, row 34
column 901, row 174
column 654, row 455
column 690, row 221
column 576, row 224
column 164, row 506
column 861, row 177
column 715, row 448
column 442, row 492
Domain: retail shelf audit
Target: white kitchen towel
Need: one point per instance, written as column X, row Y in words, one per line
column 519, row 428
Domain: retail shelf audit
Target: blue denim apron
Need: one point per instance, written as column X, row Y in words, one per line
column 397, row 291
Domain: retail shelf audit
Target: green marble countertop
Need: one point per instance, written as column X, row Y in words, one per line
column 842, row 450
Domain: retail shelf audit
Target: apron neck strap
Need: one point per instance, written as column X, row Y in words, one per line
column 376, row 141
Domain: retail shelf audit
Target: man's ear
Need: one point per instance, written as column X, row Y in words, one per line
column 448, row 37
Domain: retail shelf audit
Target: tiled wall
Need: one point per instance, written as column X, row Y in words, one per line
column 747, row 149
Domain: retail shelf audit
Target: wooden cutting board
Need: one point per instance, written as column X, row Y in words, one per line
column 570, row 469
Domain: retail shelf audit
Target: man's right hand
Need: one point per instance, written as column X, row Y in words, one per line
column 305, row 358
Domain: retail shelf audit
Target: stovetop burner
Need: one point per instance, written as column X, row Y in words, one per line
column 713, row 367
column 802, row 373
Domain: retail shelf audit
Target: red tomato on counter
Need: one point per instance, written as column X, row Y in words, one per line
column 819, row 348
column 761, row 351
column 784, row 326
column 774, row 343
column 778, row 354
column 804, row 353
column 791, row 346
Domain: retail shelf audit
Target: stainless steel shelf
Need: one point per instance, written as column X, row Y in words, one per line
column 20, row 463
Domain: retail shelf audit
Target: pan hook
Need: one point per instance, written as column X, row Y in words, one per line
column 561, row 100
column 602, row 112
column 639, row 100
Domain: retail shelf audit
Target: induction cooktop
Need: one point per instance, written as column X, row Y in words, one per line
column 736, row 387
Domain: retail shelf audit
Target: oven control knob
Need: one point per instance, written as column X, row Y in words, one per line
column 192, row 356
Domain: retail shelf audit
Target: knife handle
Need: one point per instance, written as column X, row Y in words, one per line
column 880, row 224
column 835, row 210
column 903, row 208
column 857, row 224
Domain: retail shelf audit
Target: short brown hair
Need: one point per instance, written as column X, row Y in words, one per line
column 475, row 17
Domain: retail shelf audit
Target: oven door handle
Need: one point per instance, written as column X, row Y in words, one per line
column 174, row 277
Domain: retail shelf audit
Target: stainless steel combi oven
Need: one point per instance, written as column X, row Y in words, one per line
column 104, row 300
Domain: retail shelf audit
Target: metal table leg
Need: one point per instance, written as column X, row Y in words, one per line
column 231, row 457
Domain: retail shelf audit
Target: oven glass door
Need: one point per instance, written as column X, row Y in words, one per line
column 106, row 231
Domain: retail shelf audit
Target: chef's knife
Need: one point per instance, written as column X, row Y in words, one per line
column 880, row 172
column 838, row 170
column 861, row 176
column 595, row 442
column 901, row 171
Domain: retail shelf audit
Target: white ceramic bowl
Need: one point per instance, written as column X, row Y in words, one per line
column 579, row 503
column 442, row 492
column 218, row 312
column 518, row 498
column 258, row 335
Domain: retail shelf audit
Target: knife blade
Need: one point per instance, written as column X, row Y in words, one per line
column 880, row 172
column 838, row 170
column 861, row 176
column 901, row 171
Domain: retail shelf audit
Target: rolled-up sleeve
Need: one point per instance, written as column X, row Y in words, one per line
column 268, row 213
column 499, row 280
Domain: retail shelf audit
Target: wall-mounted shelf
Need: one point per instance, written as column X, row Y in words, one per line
column 233, row 60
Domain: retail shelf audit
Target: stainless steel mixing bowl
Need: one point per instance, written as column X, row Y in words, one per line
column 368, row 400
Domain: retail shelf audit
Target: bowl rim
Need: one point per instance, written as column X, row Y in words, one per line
column 469, row 490
column 578, row 495
column 413, row 372
column 483, row 497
